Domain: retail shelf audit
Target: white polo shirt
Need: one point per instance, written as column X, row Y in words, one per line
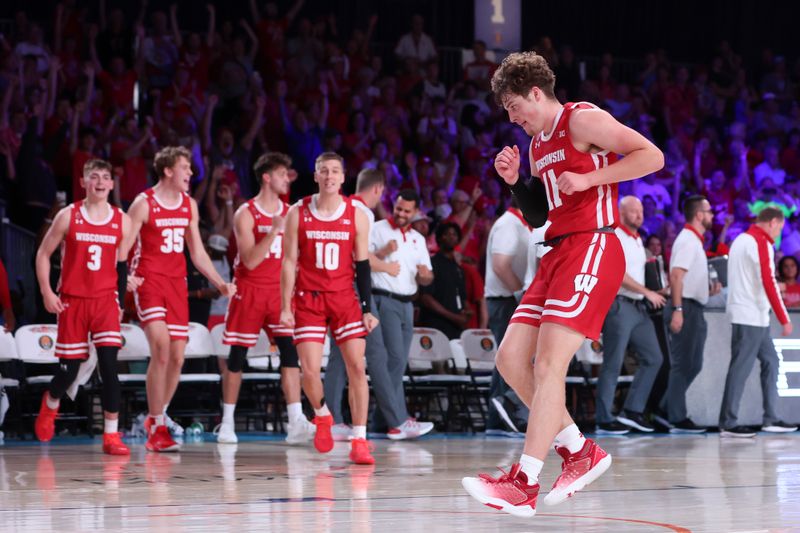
column 535, row 253
column 752, row 289
column 635, row 258
column 411, row 251
column 509, row 236
column 688, row 254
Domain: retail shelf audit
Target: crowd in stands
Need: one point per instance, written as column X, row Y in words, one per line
column 86, row 82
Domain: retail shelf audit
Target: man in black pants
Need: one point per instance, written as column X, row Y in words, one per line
column 93, row 281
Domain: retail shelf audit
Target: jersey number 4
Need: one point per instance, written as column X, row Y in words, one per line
column 275, row 248
column 327, row 255
column 173, row 240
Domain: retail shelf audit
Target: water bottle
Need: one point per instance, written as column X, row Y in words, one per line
column 195, row 430
column 713, row 277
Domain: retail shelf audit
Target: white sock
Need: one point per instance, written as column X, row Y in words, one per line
column 572, row 438
column 531, row 466
column 110, row 426
column 159, row 420
column 359, row 432
column 322, row 411
column 52, row 403
column 295, row 410
column 227, row 413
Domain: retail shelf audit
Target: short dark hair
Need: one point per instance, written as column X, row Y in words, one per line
column 519, row 73
column 97, row 164
column 269, row 162
column 369, row 177
column 692, row 205
column 168, row 156
column 444, row 226
column 769, row 214
column 409, row 195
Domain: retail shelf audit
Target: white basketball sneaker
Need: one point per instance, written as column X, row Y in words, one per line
column 226, row 434
column 300, row 431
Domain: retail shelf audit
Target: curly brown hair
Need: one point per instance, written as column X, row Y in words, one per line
column 167, row 158
column 519, row 73
column 97, row 164
column 269, row 162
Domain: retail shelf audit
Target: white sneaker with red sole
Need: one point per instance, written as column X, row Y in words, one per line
column 509, row 493
column 577, row 470
column 410, row 429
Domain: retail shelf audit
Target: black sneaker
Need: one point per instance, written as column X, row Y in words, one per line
column 778, row 427
column 636, row 421
column 661, row 423
column 686, row 426
column 741, row 432
column 505, row 407
column 612, row 428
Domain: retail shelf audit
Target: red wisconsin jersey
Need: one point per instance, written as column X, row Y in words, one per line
column 268, row 272
column 89, row 253
column 325, row 247
column 552, row 154
column 159, row 248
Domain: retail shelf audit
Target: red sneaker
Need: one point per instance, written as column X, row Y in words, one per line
column 360, row 452
column 45, row 426
column 113, row 445
column 323, row 440
column 577, row 470
column 509, row 493
column 161, row 441
column 148, row 425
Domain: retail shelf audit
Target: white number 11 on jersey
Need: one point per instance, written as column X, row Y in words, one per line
column 553, row 197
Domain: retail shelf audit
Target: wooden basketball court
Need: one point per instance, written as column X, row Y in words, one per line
column 660, row 483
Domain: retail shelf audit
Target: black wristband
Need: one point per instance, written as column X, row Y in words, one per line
column 122, row 281
column 532, row 201
column 364, row 285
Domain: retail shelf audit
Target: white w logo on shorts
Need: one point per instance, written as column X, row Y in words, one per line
column 585, row 283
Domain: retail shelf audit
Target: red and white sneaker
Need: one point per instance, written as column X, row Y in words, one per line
column 161, row 441
column 113, row 445
column 45, row 426
column 509, row 493
column 360, row 452
column 323, row 440
column 410, row 429
column 577, row 470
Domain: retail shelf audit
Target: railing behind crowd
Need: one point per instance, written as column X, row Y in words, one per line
column 17, row 248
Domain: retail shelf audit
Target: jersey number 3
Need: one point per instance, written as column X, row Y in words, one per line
column 95, row 256
column 173, row 240
column 327, row 255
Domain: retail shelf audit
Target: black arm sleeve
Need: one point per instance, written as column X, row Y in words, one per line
column 532, row 201
column 122, row 281
column 364, row 284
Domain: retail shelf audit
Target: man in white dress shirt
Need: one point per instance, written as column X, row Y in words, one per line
column 628, row 323
column 395, row 241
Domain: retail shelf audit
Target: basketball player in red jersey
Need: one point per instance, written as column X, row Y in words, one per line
column 573, row 156
column 258, row 225
column 325, row 246
column 164, row 218
column 94, row 240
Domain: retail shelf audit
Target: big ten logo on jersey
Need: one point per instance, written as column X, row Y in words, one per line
column 585, row 283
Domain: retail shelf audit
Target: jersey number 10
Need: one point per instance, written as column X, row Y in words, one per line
column 327, row 255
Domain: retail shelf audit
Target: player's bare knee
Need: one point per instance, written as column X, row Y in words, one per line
column 547, row 369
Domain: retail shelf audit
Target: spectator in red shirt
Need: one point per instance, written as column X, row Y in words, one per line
column 787, row 276
column 5, row 300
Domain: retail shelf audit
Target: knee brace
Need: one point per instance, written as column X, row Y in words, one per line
column 236, row 358
column 288, row 352
column 107, row 364
column 64, row 377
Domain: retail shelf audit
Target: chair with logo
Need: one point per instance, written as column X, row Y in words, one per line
column 479, row 348
column 435, row 389
column 9, row 387
column 36, row 345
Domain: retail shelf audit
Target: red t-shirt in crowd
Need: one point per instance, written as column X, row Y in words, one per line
column 791, row 297
column 474, row 285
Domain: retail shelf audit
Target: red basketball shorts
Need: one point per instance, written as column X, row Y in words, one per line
column 316, row 311
column 165, row 299
column 576, row 284
column 250, row 310
column 82, row 316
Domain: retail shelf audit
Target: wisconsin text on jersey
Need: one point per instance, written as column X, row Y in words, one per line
column 328, row 235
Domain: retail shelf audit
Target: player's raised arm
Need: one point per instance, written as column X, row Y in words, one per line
column 289, row 266
column 200, row 257
column 595, row 128
column 54, row 236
